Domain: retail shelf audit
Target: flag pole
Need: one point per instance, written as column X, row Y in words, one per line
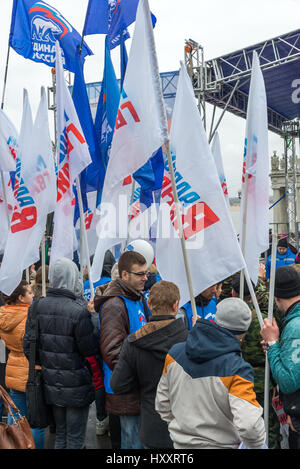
column 270, row 317
column 181, row 234
column 84, row 233
column 43, row 253
column 5, row 77
column 243, row 233
column 2, row 106
column 253, row 297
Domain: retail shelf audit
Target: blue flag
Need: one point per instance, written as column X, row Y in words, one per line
column 108, row 106
column 36, row 26
column 111, row 17
column 92, row 178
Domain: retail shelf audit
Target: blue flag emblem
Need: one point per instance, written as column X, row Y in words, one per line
column 36, row 26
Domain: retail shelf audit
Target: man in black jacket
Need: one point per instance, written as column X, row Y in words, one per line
column 142, row 359
column 66, row 338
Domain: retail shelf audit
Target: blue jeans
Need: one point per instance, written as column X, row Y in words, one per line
column 71, row 423
column 130, row 430
column 19, row 399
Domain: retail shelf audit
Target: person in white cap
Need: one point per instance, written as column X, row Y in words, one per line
column 206, row 391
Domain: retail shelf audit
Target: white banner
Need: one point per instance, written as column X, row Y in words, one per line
column 256, row 167
column 72, row 158
column 8, row 143
column 141, row 128
column 212, row 248
column 217, row 154
column 34, row 196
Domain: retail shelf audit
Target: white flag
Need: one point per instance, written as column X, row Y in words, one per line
column 213, row 251
column 255, row 206
column 38, row 169
column 8, row 143
column 34, row 196
column 216, row 152
column 72, row 157
column 141, row 128
column 4, row 228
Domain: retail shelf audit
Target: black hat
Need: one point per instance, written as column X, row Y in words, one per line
column 236, row 285
column 282, row 243
column 287, row 282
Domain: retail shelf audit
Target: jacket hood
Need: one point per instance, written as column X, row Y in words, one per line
column 11, row 316
column 112, row 289
column 108, row 262
column 159, row 336
column 207, row 341
column 63, row 273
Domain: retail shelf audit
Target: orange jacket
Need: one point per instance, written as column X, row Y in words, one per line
column 12, row 329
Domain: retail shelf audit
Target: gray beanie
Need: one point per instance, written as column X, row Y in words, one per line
column 233, row 314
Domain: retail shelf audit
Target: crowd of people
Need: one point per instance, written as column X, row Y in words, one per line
column 160, row 378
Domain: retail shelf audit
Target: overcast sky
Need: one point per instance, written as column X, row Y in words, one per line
column 220, row 27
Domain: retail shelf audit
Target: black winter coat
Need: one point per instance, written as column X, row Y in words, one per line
column 140, row 367
column 66, row 337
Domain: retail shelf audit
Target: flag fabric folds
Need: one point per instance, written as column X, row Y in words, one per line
column 36, row 26
column 140, row 130
column 254, row 221
column 213, row 251
column 111, row 17
column 92, row 177
column 34, row 192
column 72, row 158
column 216, row 152
column 8, row 143
column 107, row 108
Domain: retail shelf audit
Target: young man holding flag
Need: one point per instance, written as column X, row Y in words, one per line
column 140, row 130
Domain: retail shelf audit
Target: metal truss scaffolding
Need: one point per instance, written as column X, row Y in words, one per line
column 291, row 131
column 224, row 81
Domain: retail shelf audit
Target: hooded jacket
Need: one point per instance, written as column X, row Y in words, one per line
column 114, row 329
column 206, row 392
column 12, row 328
column 140, row 367
column 281, row 260
column 284, row 356
column 66, row 338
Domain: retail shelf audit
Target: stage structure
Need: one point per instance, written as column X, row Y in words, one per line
column 224, row 83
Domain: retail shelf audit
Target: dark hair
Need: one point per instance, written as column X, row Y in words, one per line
column 13, row 297
column 236, row 285
column 127, row 259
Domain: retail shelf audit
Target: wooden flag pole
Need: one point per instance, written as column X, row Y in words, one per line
column 270, row 317
column 181, row 233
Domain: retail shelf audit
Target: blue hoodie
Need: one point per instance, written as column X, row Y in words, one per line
column 281, row 259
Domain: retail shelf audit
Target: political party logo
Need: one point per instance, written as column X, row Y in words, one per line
column 47, row 27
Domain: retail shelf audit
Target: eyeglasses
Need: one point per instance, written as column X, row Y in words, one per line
column 140, row 274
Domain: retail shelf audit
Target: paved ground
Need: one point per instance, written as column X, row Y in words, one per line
column 92, row 440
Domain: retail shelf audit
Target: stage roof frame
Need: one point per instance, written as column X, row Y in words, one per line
column 280, row 63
